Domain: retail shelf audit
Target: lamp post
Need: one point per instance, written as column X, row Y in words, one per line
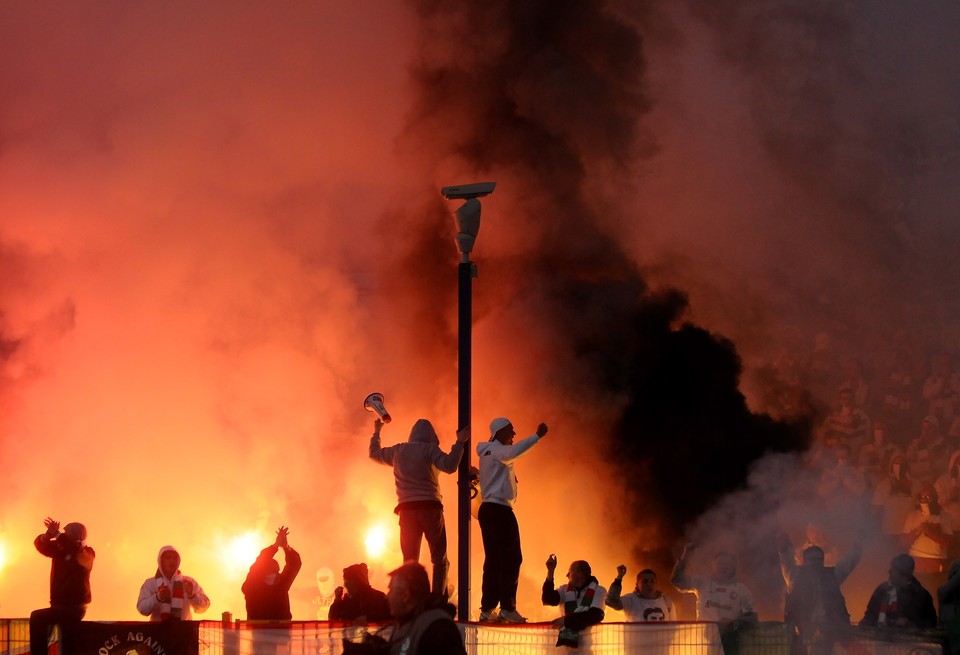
column 468, row 225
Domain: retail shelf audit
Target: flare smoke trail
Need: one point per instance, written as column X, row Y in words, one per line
column 554, row 96
column 785, row 225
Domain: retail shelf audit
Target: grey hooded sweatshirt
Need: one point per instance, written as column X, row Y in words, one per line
column 416, row 463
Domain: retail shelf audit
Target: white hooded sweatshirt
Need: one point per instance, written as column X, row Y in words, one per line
column 498, row 483
column 150, row 605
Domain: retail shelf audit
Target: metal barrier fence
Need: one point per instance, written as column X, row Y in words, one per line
column 680, row 638
column 14, row 636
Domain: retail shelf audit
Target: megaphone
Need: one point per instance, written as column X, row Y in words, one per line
column 374, row 403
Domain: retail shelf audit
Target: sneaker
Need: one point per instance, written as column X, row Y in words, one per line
column 489, row 616
column 512, row 616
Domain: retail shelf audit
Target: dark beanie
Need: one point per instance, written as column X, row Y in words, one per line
column 903, row 564
column 357, row 573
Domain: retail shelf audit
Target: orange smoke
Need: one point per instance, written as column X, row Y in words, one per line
column 213, row 246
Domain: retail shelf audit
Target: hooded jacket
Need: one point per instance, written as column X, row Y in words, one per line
column 364, row 600
column 911, row 602
column 270, row 601
column 815, row 596
column 416, row 463
column 149, row 605
column 426, row 632
column 70, row 570
column 498, row 483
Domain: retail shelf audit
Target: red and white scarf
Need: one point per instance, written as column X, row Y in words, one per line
column 172, row 609
column 576, row 600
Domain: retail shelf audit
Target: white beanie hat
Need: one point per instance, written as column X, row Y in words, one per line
column 496, row 425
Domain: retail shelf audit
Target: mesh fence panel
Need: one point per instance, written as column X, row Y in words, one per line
column 14, row 636
column 323, row 638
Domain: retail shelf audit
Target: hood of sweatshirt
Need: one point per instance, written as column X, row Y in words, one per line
column 160, row 556
column 423, row 432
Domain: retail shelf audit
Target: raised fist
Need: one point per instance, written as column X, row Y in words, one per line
column 552, row 563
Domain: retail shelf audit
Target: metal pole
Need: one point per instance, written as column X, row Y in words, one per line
column 465, row 272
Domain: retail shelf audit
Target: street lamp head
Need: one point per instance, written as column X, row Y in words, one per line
column 468, row 191
column 468, row 215
column 468, row 225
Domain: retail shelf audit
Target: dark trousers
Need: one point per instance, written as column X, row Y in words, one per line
column 42, row 622
column 416, row 524
column 502, row 557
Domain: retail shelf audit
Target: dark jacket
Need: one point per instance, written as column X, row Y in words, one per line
column 270, row 602
column 948, row 595
column 69, row 571
column 810, row 588
column 431, row 632
column 913, row 603
column 368, row 602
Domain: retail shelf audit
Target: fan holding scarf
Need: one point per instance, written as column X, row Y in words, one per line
column 170, row 595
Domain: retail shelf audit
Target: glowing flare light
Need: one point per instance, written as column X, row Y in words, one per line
column 375, row 542
column 243, row 550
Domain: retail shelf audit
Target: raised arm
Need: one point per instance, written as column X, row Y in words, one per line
column 378, row 453
column 259, row 568
column 291, row 566
column 449, row 463
column 680, row 579
column 45, row 543
column 549, row 595
column 849, row 562
column 507, row 454
column 616, row 587
column 788, row 561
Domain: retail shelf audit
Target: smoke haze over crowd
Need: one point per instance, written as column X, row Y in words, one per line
column 221, row 229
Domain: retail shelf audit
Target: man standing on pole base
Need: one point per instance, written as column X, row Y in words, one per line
column 416, row 464
column 498, row 524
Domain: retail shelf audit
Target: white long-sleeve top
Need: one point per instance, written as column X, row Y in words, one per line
column 498, row 482
column 148, row 605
